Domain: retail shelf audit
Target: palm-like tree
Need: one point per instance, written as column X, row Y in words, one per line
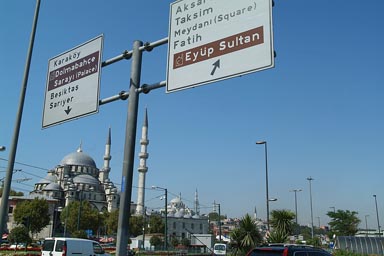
column 282, row 223
column 247, row 235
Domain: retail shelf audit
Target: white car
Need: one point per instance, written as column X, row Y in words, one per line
column 63, row 246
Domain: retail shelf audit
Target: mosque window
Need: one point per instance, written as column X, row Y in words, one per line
column 192, row 226
column 201, row 226
column 183, row 225
column 174, row 225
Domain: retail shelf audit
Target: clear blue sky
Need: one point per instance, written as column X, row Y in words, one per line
column 320, row 109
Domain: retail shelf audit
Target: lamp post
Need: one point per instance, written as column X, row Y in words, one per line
column 366, row 225
column 2, row 148
column 334, row 209
column 295, row 191
column 266, row 178
column 377, row 216
column 215, row 204
column 166, row 216
column 310, row 179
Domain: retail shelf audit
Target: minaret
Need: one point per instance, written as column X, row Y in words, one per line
column 143, row 155
column 197, row 205
column 104, row 172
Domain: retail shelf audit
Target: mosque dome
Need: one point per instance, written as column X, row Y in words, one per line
column 86, row 179
column 48, row 179
column 53, row 187
column 78, row 158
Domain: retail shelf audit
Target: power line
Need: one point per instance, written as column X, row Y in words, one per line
column 28, row 165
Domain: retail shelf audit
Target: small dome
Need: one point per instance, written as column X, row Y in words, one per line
column 52, row 187
column 48, row 179
column 175, row 200
column 86, row 179
column 78, row 158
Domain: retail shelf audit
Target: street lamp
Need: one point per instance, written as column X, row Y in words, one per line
column 377, row 216
column 166, row 216
column 366, row 224
column 214, row 204
column 295, row 191
column 266, row 178
column 2, row 148
column 334, row 209
column 310, row 179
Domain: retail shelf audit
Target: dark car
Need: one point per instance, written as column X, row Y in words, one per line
column 288, row 250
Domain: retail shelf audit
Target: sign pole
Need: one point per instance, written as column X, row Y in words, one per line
column 13, row 148
column 129, row 152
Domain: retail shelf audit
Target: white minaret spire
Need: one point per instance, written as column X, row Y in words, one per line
column 104, row 172
column 197, row 205
column 143, row 155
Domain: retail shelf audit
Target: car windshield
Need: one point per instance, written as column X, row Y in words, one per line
column 220, row 247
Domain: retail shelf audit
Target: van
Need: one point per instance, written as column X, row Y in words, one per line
column 219, row 249
column 65, row 246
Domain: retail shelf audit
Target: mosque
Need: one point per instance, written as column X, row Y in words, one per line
column 77, row 178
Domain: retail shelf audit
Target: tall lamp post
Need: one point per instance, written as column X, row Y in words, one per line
column 295, row 191
column 366, row 225
column 266, row 178
column 310, row 179
column 334, row 208
column 377, row 216
column 166, row 216
column 215, row 204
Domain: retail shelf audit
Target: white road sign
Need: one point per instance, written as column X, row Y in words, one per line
column 73, row 82
column 211, row 40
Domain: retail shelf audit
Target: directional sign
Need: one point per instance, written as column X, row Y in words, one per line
column 73, row 82
column 211, row 40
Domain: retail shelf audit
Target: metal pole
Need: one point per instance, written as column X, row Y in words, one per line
column 166, row 221
column 266, row 179
column 219, row 223
column 129, row 152
column 144, row 223
column 310, row 179
column 12, row 152
column 366, row 225
column 377, row 216
column 295, row 191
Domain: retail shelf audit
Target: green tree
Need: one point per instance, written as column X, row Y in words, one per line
column 156, row 241
column 33, row 214
column 185, row 241
column 79, row 216
column 282, row 222
column 111, row 220
column 156, row 224
column 18, row 235
column 247, row 235
column 344, row 223
column 136, row 225
column 174, row 241
column 11, row 193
